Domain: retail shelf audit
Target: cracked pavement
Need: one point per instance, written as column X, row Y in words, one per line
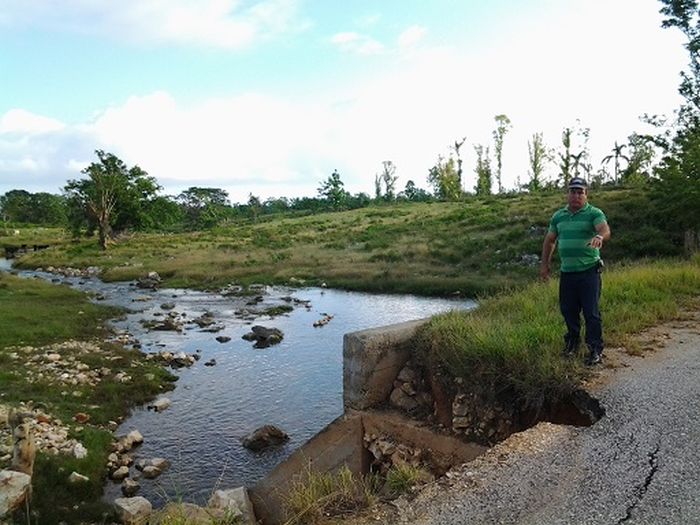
column 640, row 464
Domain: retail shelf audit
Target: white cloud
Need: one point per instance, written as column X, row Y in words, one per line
column 23, row 122
column 230, row 24
column 357, row 43
column 411, row 36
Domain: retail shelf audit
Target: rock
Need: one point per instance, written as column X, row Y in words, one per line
column 461, row 422
column 135, row 437
column 204, row 320
column 120, row 473
column 77, row 478
column 14, row 489
column 134, row 510
column 79, row 451
column 400, row 399
column 223, row 339
column 408, row 375
column 236, row 502
column 263, row 336
column 160, row 404
column 264, row 437
column 130, row 487
column 160, row 463
column 211, row 362
column 151, row 472
column 167, row 306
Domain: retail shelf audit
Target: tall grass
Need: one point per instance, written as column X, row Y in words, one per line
column 513, row 341
column 319, row 494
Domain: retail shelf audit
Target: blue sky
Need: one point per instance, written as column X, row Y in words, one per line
column 269, row 97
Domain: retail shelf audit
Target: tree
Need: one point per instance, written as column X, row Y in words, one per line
column 484, row 175
column 112, row 191
column 413, row 193
column 565, row 157
column 332, row 190
column 677, row 191
column 503, row 125
column 444, row 179
column 457, row 146
column 204, row 207
column 616, row 155
column 640, row 159
column 34, row 208
column 539, row 157
column 254, row 207
column 389, row 179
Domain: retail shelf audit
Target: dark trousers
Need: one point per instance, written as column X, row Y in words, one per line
column 580, row 292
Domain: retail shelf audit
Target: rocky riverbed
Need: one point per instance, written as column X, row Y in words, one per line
column 227, row 387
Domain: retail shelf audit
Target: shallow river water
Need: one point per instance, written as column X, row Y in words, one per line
column 296, row 385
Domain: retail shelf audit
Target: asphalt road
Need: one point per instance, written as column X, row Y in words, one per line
column 639, row 464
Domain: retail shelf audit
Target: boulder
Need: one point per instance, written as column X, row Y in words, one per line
column 120, row 473
column 237, row 504
column 263, row 336
column 14, row 489
column 400, row 399
column 160, row 404
column 130, row 487
column 264, row 437
column 151, row 472
column 134, row 510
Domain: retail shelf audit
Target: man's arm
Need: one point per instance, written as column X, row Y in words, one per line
column 602, row 234
column 547, row 249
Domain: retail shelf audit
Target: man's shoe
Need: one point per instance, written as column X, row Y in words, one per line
column 594, row 358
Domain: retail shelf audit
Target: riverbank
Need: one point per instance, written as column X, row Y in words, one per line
column 61, row 368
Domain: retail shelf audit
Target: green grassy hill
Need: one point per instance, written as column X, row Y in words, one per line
column 471, row 247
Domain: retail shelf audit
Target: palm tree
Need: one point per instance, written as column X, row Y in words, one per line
column 616, row 155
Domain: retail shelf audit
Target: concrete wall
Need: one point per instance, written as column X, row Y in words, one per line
column 340, row 443
column 371, row 361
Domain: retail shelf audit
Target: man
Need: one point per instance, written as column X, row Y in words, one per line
column 580, row 231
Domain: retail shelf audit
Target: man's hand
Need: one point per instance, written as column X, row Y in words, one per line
column 596, row 242
column 544, row 273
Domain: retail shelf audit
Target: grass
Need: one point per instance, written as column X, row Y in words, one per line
column 471, row 247
column 513, row 341
column 37, row 318
column 317, row 495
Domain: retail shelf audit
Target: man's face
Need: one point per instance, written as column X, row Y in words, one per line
column 577, row 198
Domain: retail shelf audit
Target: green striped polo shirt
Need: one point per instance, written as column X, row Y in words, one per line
column 574, row 231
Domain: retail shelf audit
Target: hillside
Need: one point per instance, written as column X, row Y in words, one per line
column 471, row 247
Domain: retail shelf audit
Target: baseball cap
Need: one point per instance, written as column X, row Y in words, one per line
column 578, row 182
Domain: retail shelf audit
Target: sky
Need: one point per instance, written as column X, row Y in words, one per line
column 269, row 97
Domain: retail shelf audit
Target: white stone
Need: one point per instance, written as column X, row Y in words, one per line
column 135, row 437
column 133, row 510
column 79, row 451
column 77, row 478
column 120, row 473
column 160, row 404
column 14, row 488
column 236, row 502
column 160, row 463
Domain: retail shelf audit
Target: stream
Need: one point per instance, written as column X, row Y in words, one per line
column 296, row 385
